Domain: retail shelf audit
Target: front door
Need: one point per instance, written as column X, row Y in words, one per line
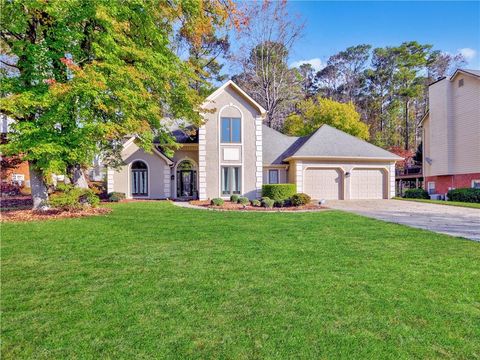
column 186, row 183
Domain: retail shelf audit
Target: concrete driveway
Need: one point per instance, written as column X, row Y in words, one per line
column 445, row 219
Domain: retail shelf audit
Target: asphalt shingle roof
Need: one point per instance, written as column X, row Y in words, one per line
column 325, row 142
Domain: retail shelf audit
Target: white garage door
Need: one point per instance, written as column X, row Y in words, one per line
column 323, row 183
column 367, row 184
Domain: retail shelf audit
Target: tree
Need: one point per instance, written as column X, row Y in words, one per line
column 90, row 73
column 345, row 70
column 307, row 74
column 314, row 112
column 263, row 58
column 411, row 59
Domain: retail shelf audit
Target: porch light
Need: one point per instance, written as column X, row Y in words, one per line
column 172, row 177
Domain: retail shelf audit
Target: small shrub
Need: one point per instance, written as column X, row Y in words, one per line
column 71, row 198
column 217, row 202
column 464, row 195
column 279, row 203
column 116, row 196
column 243, row 200
column 267, row 202
column 279, row 191
column 416, row 194
column 256, row 203
column 234, row 198
column 300, row 199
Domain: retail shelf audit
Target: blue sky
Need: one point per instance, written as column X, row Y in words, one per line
column 332, row 26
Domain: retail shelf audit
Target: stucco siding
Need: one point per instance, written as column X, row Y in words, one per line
column 282, row 174
column 230, row 104
column 158, row 171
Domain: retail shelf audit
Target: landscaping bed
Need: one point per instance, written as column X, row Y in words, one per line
column 229, row 205
column 31, row 215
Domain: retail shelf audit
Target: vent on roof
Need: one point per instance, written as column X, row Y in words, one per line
column 460, row 83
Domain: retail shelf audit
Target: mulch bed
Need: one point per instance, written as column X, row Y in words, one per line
column 9, row 203
column 30, row 215
column 234, row 206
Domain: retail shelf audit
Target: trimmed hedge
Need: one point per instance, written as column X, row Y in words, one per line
column 217, row 202
column 279, row 191
column 300, row 199
column 469, row 195
column 416, row 194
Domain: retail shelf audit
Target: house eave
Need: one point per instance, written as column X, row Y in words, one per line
column 343, row 158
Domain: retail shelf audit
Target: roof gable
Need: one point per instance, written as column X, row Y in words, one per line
column 237, row 89
column 475, row 73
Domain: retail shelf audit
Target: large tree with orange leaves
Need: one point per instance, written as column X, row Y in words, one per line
column 80, row 75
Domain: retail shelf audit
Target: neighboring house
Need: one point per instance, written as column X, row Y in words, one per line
column 234, row 153
column 18, row 175
column 451, row 133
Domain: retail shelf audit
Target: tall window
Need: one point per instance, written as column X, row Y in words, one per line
column 231, row 180
column 139, row 179
column 431, row 187
column 230, row 130
column 273, row 176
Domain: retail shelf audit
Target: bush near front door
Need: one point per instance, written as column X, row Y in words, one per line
column 279, row 191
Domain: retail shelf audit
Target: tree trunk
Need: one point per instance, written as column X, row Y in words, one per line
column 39, row 188
column 407, row 130
column 78, row 178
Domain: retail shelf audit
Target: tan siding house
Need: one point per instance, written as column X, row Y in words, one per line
column 234, row 153
column 451, row 133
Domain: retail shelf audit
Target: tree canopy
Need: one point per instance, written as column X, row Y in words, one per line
column 314, row 112
column 87, row 73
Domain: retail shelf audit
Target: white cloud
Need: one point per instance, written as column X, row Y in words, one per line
column 316, row 63
column 468, row 53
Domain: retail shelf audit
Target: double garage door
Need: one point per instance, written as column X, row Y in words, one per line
column 328, row 184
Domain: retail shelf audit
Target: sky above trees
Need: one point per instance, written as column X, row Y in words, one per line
column 332, row 26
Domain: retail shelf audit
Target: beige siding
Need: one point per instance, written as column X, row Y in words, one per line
column 451, row 133
column 282, row 174
column 466, row 125
column 158, row 173
column 230, row 104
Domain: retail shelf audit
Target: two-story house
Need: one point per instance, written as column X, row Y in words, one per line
column 234, row 153
column 451, row 133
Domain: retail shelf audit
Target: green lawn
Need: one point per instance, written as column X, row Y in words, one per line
column 153, row 280
column 442, row 202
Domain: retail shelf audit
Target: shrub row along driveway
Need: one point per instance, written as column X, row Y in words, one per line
column 451, row 220
column 152, row 280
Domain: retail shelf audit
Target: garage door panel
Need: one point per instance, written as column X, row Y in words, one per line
column 367, row 184
column 323, row 183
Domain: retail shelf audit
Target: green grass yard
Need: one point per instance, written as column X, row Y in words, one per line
column 442, row 202
column 153, row 280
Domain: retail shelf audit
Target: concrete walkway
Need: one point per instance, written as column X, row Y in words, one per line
column 445, row 219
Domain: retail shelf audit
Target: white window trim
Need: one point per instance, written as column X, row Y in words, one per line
column 130, row 181
column 227, row 196
column 220, row 144
column 241, row 129
column 278, row 176
column 433, row 188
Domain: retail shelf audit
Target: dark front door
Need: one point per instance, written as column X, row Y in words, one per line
column 186, row 183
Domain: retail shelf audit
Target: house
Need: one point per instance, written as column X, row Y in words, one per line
column 18, row 173
column 234, row 153
column 451, row 133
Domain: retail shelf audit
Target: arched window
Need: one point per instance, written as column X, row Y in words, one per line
column 139, row 179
